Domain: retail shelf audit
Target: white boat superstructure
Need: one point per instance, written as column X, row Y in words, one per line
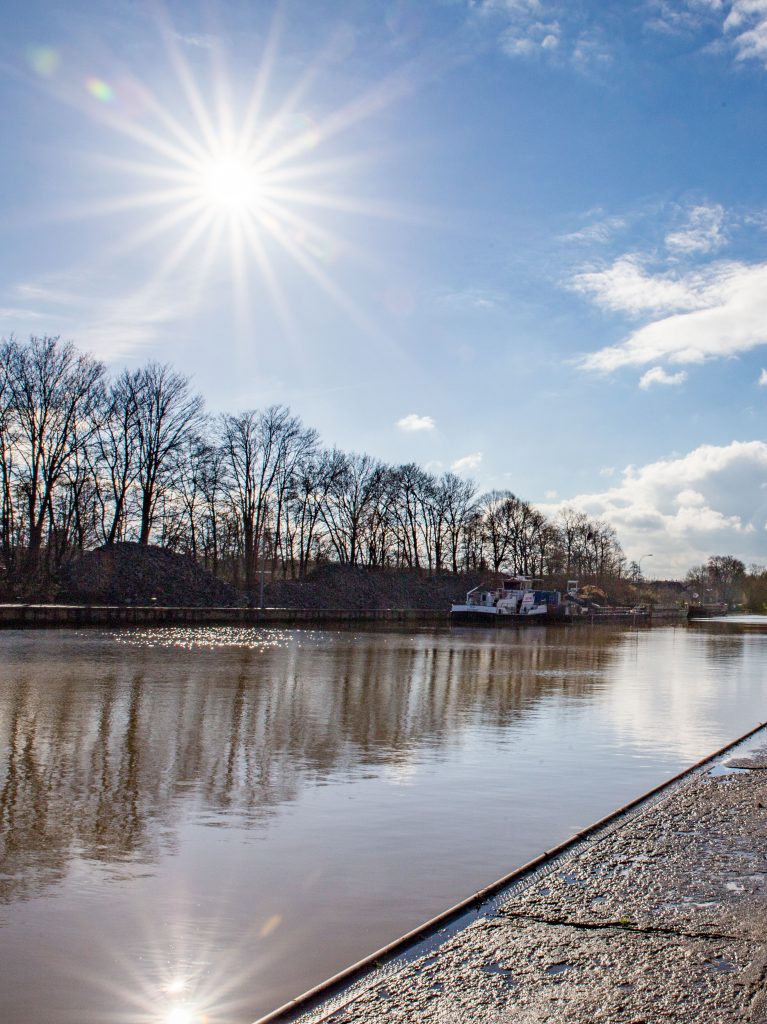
column 517, row 596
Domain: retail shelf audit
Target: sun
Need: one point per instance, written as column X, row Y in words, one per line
column 247, row 183
column 231, row 184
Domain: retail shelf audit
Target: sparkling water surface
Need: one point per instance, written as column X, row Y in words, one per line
column 198, row 824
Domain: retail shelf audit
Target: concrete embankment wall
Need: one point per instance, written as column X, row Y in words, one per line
column 51, row 616
column 58, row 616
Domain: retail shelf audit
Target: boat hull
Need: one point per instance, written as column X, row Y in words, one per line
column 706, row 611
column 492, row 619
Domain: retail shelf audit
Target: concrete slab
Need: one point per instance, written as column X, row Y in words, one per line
column 520, row 972
column 695, row 862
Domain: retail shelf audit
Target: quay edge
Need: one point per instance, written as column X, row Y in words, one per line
column 72, row 616
column 57, row 616
column 324, row 1000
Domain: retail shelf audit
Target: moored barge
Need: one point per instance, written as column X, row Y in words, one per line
column 521, row 600
column 518, row 599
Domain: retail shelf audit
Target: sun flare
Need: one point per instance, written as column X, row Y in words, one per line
column 248, row 182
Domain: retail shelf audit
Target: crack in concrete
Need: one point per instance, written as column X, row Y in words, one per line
column 622, row 925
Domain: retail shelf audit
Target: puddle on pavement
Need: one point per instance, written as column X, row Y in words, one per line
column 721, row 965
column 720, row 770
column 560, row 968
column 493, row 967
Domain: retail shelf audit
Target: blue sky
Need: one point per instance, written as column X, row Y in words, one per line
column 521, row 238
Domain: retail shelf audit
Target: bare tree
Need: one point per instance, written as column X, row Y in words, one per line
column 721, row 577
column 197, row 466
column 258, row 447
column 349, row 501
column 53, row 389
column 497, row 509
column 457, row 497
column 573, row 527
column 9, row 437
column 296, row 445
column 315, row 475
column 116, row 450
column 166, row 411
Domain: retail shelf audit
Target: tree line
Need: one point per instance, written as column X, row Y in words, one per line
column 88, row 459
column 726, row 578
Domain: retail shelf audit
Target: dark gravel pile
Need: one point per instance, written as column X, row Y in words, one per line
column 342, row 588
column 141, row 575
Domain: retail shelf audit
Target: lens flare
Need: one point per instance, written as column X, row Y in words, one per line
column 44, row 60
column 271, row 925
column 99, row 90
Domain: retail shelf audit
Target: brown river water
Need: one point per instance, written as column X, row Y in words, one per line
column 198, row 824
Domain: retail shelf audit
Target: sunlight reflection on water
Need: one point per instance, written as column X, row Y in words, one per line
column 211, row 637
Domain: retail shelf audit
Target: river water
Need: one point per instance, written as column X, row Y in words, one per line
column 198, row 824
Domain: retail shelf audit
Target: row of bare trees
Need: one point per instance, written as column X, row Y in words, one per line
column 87, row 460
column 726, row 578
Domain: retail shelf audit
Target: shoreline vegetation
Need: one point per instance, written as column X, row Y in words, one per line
column 124, row 490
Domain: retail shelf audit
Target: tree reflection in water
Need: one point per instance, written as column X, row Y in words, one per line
column 100, row 752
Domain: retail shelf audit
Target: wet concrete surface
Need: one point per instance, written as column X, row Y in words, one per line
column 662, row 917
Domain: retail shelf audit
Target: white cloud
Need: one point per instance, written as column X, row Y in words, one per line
column 17, row 313
column 598, row 232
column 544, row 28
column 746, row 24
column 468, row 463
column 109, row 326
column 702, row 233
column 626, row 287
column 657, row 375
column 763, row 379
column 711, row 501
column 414, row 422
column 672, row 18
column 712, row 313
column 200, row 40
column 590, row 51
column 471, row 299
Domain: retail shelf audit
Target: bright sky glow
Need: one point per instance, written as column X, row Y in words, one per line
column 180, row 1015
column 230, row 183
column 495, row 237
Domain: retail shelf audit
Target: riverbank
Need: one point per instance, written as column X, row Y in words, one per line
column 61, row 616
column 658, row 915
column 58, row 616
